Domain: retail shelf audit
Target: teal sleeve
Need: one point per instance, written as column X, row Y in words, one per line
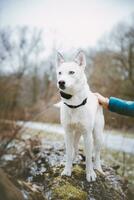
column 121, row 107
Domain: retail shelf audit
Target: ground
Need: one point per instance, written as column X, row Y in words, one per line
column 35, row 166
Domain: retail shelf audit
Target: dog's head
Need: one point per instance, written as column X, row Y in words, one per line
column 70, row 75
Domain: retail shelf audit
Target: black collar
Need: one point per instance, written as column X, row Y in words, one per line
column 65, row 95
column 73, row 106
column 69, row 96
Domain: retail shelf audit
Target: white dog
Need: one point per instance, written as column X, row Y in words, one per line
column 80, row 114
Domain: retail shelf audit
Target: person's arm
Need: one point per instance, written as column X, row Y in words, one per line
column 117, row 105
column 121, row 106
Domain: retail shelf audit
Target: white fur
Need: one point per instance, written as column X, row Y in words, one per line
column 86, row 120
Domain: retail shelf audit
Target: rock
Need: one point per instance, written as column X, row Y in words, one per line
column 39, row 177
column 76, row 187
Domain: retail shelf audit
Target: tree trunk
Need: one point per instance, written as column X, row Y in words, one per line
column 8, row 191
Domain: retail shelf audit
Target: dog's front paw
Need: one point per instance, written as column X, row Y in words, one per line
column 91, row 176
column 99, row 169
column 66, row 172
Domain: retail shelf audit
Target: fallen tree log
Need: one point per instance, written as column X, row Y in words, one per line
column 37, row 169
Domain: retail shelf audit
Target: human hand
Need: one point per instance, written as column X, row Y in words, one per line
column 104, row 101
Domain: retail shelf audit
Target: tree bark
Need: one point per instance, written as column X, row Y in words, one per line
column 8, row 191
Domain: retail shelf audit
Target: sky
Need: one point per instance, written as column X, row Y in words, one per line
column 70, row 23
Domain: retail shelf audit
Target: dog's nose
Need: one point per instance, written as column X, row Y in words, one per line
column 61, row 83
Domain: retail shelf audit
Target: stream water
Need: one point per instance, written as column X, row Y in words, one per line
column 111, row 141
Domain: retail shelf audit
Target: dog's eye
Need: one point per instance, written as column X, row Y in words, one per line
column 71, row 72
column 59, row 73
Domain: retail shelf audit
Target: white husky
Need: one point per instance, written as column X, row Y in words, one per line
column 80, row 114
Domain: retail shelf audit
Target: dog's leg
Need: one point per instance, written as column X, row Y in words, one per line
column 77, row 136
column 69, row 137
column 98, row 141
column 88, row 142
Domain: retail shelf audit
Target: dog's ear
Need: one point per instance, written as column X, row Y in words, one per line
column 60, row 59
column 80, row 59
